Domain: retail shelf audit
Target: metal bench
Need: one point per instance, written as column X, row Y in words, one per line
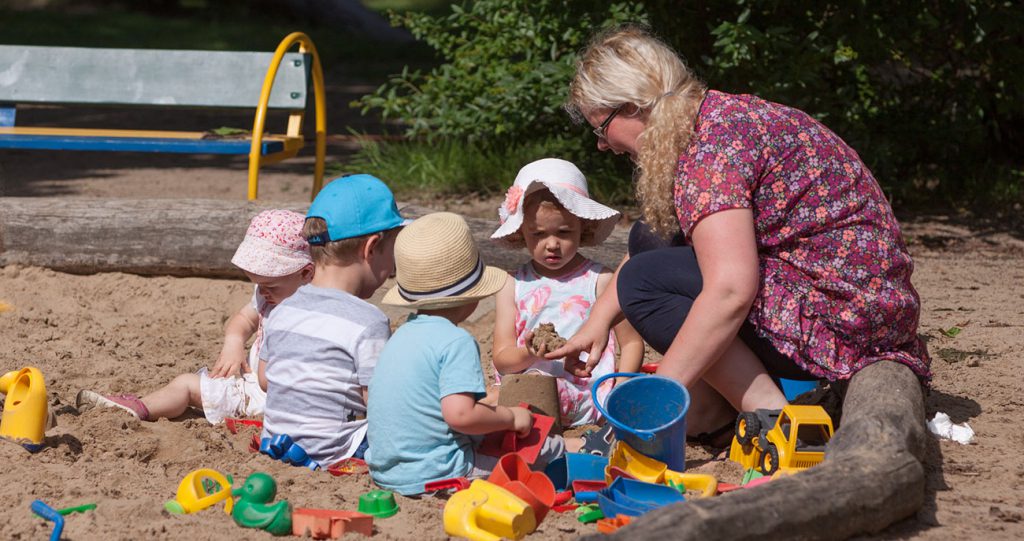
column 167, row 78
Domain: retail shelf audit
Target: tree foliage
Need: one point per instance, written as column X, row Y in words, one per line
column 928, row 91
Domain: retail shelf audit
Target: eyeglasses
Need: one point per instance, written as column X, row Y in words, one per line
column 600, row 130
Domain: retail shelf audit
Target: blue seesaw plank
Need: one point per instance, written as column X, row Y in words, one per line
column 138, row 144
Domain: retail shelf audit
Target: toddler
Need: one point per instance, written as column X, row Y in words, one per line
column 320, row 346
column 425, row 411
column 275, row 257
column 548, row 210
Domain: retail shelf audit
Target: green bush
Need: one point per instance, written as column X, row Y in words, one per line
column 506, row 66
column 929, row 93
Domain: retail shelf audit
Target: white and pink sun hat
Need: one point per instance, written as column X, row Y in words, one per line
column 273, row 245
column 567, row 183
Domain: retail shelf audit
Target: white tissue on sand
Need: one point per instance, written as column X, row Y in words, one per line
column 943, row 427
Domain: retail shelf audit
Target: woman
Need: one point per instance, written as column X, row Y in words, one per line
column 788, row 261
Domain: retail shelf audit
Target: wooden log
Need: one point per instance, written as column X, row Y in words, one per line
column 872, row 477
column 181, row 237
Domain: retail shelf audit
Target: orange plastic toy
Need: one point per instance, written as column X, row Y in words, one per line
column 514, row 474
column 328, row 524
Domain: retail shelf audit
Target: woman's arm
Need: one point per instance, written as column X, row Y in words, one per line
column 727, row 255
column 631, row 345
column 593, row 334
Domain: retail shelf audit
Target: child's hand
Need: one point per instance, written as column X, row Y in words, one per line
column 529, row 346
column 522, row 420
column 232, row 362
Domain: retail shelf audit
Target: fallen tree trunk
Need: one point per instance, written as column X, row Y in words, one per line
column 180, row 237
column 872, row 477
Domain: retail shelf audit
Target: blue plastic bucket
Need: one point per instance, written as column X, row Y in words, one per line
column 649, row 413
column 793, row 388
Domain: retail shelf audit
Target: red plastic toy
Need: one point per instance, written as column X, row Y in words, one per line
column 457, row 483
column 233, row 424
column 514, row 475
column 348, row 466
column 582, row 485
column 501, row 443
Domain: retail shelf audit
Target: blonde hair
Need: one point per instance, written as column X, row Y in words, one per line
column 627, row 65
column 338, row 252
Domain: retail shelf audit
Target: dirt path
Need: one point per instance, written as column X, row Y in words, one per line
column 125, row 333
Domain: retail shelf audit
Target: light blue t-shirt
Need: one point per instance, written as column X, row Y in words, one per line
column 426, row 359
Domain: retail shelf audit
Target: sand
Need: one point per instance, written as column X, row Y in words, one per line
column 124, row 333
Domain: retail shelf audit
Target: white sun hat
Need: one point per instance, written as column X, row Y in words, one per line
column 567, row 183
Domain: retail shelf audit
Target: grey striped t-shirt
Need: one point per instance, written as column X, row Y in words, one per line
column 321, row 345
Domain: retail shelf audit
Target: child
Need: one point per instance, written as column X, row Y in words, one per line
column 276, row 258
column 320, row 346
column 548, row 210
column 424, row 404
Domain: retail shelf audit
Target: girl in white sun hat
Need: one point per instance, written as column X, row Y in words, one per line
column 548, row 211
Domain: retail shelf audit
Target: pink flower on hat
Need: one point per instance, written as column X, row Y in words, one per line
column 273, row 245
column 512, row 197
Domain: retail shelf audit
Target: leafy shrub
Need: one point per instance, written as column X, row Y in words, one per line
column 506, row 66
column 929, row 93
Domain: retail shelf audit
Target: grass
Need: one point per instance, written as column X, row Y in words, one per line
column 453, row 167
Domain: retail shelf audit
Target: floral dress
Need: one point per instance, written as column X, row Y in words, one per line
column 835, row 292
column 564, row 301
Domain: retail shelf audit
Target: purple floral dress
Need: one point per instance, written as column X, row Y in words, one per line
column 835, row 292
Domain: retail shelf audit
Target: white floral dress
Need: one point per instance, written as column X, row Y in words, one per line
column 564, row 301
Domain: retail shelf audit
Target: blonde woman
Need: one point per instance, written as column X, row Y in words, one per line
column 785, row 259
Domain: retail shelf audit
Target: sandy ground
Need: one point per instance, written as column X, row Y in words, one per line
column 124, row 333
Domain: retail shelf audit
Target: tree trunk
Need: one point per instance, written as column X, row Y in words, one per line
column 180, row 237
column 872, row 477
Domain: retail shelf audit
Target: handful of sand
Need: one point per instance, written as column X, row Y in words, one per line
column 545, row 335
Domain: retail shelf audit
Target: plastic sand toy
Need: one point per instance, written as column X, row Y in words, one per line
column 487, row 512
column 195, row 495
column 379, row 503
column 254, row 510
column 24, row 416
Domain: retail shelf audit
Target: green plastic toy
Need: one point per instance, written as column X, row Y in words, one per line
column 750, row 475
column 379, row 503
column 589, row 513
column 254, row 510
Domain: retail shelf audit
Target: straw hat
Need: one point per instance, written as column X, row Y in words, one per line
column 567, row 183
column 439, row 266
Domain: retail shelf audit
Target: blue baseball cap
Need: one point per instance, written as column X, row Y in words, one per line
column 354, row 206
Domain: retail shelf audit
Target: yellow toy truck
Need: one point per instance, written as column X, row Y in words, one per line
column 792, row 438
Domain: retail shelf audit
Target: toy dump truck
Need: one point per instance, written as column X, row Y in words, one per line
column 792, row 438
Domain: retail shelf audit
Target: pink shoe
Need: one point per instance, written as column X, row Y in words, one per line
column 128, row 402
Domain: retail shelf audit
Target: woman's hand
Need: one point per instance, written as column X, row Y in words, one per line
column 583, row 351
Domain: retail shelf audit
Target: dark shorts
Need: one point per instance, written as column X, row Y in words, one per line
column 657, row 287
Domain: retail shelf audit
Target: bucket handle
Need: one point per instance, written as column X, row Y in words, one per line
column 642, row 434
